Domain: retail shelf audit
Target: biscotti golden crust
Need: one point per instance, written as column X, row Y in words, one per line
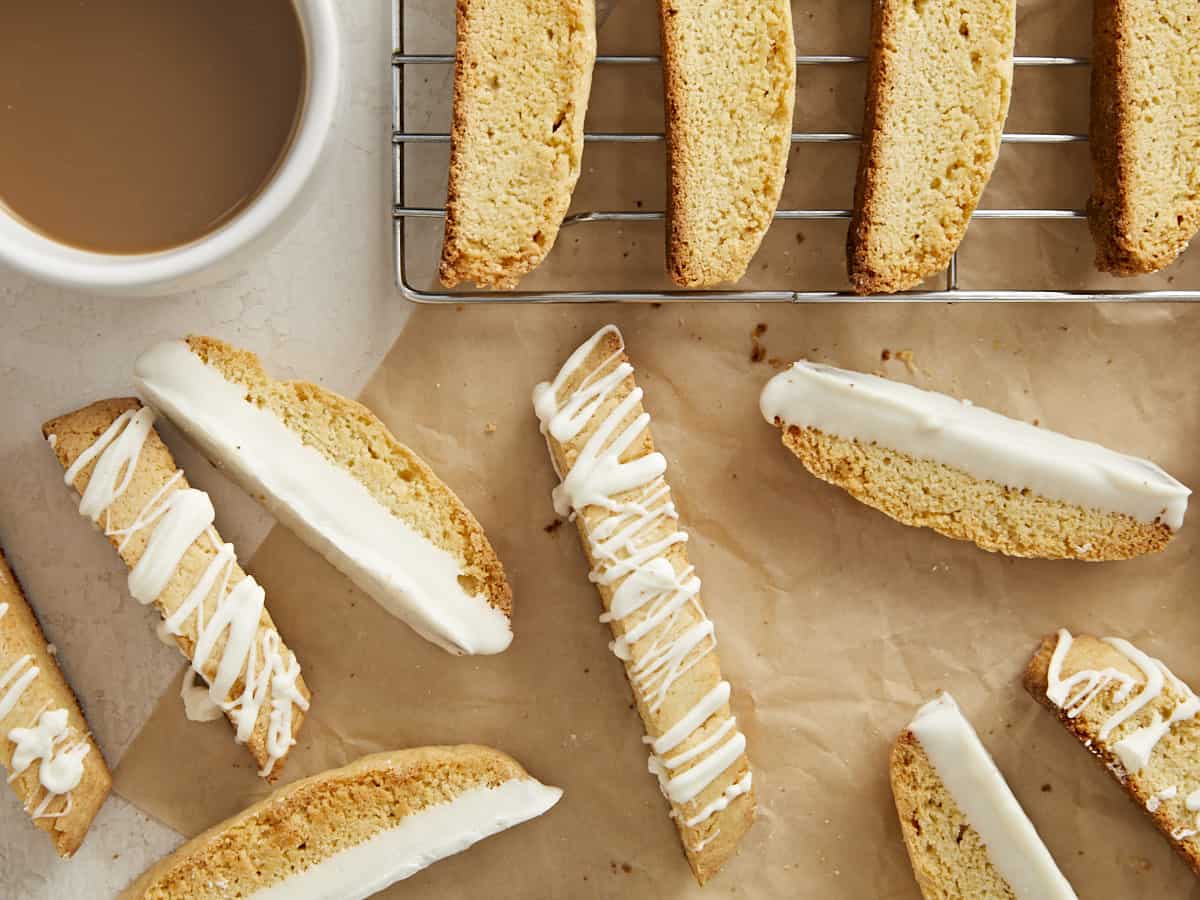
column 729, row 74
column 1173, row 762
column 1145, row 203
column 672, row 678
column 309, row 820
column 155, row 471
column 928, row 494
column 351, row 436
column 938, row 88
column 522, row 74
column 949, row 858
column 66, row 822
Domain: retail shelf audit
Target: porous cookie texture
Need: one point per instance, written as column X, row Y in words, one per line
column 352, row 831
column 613, row 482
column 202, row 580
column 949, row 859
column 1135, row 718
column 333, row 472
column 522, row 73
column 33, row 691
column 929, row 494
column 938, row 89
column 1145, row 133
column 730, row 80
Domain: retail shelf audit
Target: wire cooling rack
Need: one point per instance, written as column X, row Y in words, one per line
column 403, row 60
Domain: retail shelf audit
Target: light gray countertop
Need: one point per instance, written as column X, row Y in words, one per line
column 321, row 306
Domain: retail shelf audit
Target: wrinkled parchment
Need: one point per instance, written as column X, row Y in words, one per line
column 834, row 622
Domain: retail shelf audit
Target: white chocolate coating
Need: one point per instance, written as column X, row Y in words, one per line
column 972, row 779
column 419, row 840
column 405, row 572
column 982, row 443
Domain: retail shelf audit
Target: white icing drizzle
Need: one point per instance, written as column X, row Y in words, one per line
column 629, row 559
column 178, row 518
column 977, row 786
column 60, row 771
column 409, row 575
column 1135, row 749
column 984, row 444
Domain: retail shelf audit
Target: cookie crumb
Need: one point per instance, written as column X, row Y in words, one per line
column 489, row 428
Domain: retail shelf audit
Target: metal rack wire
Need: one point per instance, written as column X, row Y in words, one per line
column 951, row 293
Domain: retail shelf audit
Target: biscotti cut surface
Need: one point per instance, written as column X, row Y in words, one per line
column 938, row 89
column 928, row 460
column 162, row 529
column 522, row 73
column 353, row 831
column 966, row 834
column 63, row 783
column 1145, row 133
column 729, row 74
column 613, row 482
column 1136, row 719
column 331, row 471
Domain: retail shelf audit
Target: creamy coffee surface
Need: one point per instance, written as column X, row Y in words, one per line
column 131, row 126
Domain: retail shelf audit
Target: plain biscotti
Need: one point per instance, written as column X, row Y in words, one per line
column 522, row 73
column 1136, row 719
column 352, row 832
column 330, row 470
column 729, row 73
column 162, row 528
column 613, row 483
column 967, row 836
column 53, row 764
column 1145, row 133
column 929, row 460
column 938, row 90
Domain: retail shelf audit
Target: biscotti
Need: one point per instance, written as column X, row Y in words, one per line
column 54, row 766
column 331, row 471
column 350, row 832
column 613, row 485
column 522, row 73
column 931, row 461
column 729, row 74
column 1145, row 129
column 162, row 528
column 967, row 836
column 938, row 89
column 1136, row 718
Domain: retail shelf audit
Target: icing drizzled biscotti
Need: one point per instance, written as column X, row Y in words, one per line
column 54, row 766
column 350, row 832
column 931, row 461
column 1136, row 718
column 163, row 529
column 613, row 485
column 966, row 834
column 331, row 471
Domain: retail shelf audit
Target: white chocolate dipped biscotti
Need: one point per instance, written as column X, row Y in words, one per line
column 1136, row 718
column 53, row 765
column 331, row 471
column 522, row 74
column 938, row 88
column 967, row 836
column 928, row 460
column 350, row 832
column 613, row 485
column 162, row 528
column 729, row 77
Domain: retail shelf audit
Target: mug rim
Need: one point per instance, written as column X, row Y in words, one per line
column 28, row 250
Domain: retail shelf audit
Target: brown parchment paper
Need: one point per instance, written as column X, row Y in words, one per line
column 834, row 622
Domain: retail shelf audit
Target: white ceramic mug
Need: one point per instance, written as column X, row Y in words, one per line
column 223, row 252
